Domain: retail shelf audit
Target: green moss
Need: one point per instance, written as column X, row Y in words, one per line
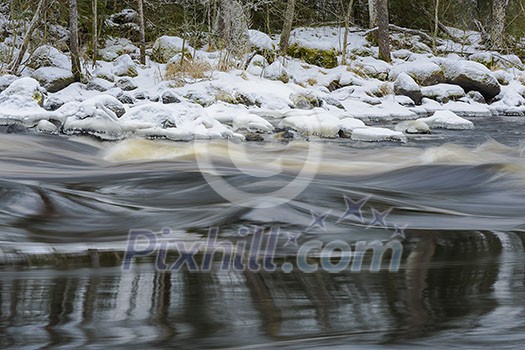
column 321, row 58
column 38, row 97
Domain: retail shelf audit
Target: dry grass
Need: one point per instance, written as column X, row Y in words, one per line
column 312, row 81
column 188, row 69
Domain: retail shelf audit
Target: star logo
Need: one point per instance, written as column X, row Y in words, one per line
column 353, row 208
column 399, row 232
column 379, row 218
column 318, row 220
column 292, row 239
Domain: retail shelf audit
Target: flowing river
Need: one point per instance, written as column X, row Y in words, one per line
column 451, row 203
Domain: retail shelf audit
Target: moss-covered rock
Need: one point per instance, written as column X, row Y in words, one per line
column 321, row 58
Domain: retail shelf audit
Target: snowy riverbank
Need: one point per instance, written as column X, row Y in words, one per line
column 288, row 98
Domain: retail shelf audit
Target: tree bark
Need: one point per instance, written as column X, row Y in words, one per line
column 235, row 27
column 73, row 40
column 15, row 65
column 436, row 26
column 372, row 13
column 287, row 26
column 142, row 44
column 348, row 16
column 497, row 32
column 95, row 32
column 383, row 34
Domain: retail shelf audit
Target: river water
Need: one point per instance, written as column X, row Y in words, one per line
column 453, row 201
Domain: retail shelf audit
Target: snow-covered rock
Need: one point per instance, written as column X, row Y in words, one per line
column 6, row 80
column 124, row 66
column 406, row 86
column 373, row 134
column 166, row 47
column 48, row 56
column 471, row 76
column 312, row 122
column 126, row 84
column 424, row 72
column 260, row 40
column 447, row 120
column 276, row 71
column 46, row 127
column 347, row 125
column 413, row 127
column 99, row 84
column 257, row 65
column 52, row 78
column 305, row 100
column 443, row 92
column 116, row 47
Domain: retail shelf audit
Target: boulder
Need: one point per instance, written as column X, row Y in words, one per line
column 53, row 103
column 424, row 72
column 257, row 65
column 305, row 101
column 413, row 127
column 6, row 80
column 406, row 86
column 276, row 71
column 169, row 97
column 471, row 76
column 166, row 47
column 124, row 66
column 99, row 84
column 52, row 78
column 46, row 127
column 48, row 56
column 125, row 98
column 447, row 120
column 443, row 92
column 261, row 41
column 126, row 84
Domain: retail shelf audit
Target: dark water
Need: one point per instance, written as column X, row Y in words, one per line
column 66, row 207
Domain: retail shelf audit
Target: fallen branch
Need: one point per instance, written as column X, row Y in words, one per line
column 395, row 28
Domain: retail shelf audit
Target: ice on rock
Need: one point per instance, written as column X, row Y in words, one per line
column 238, row 117
column 374, row 134
column 447, row 120
column 46, row 127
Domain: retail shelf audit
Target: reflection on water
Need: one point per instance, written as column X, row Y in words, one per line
column 461, row 281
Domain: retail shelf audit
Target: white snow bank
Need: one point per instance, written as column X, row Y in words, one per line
column 373, row 134
column 447, row 120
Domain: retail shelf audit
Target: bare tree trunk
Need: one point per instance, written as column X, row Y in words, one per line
column 142, row 33
column 235, row 26
column 383, row 34
column 287, row 26
column 73, row 40
column 372, row 13
column 348, row 16
column 32, row 26
column 436, row 27
column 497, row 32
column 95, row 32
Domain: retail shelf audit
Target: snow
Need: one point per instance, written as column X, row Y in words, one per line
column 260, row 40
column 443, row 92
column 326, row 38
column 313, row 122
column 124, row 66
column 413, row 127
column 447, row 120
column 374, row 134
column 425, row 72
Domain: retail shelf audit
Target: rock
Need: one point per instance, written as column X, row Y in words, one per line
column 471, row 76
column 276, row 71
column 257, row 65
column 422, row 71
column 23, row 93
column 200, row 97
column 124, row 66
column 447, row 120
column 168, row 97
column 53, row 103
column 406, row 86
column 46, row 127
column 125, row 98
column 99, row 84
column 373, row 134
column 53, row 79
column 329, row 100
column 166, row 47
column 476, row 96
column 116, row 47
column 260, row 40
column 48, row 56
column 6, row 80
column 413, row 127
column 111, row 103
column 443, row 92
column 405, row 101
column 126, row 84
column 305, row 101
column 348, row 125
column 252, row 136
column 125, row 16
